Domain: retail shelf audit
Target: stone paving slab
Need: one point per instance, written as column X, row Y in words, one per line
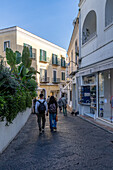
column 77, row 145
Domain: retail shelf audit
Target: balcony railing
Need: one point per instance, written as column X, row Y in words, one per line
column 56, row 80
column 63, row 65
column 44, row 59
column 44, row 79
column 57, row 62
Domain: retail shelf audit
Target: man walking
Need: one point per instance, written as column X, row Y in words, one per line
column 40, row 109
column 64, row 104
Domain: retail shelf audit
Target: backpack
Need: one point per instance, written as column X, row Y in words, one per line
column 41, row 108
column 52, row 108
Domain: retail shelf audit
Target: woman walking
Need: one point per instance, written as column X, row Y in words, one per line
column 52, row 109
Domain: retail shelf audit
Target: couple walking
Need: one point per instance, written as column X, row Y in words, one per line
column 42, row 111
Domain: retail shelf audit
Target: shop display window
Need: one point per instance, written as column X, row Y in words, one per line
column 89, row 79
column 88, row 96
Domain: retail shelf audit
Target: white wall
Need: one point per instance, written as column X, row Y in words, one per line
column 100, row 47
column 8, row 133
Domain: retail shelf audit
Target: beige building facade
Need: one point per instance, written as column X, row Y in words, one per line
column 73, row 65
column 47, row 58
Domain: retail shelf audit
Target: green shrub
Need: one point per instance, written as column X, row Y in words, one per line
column 28, row 100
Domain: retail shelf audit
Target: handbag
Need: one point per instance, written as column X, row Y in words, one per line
column 56, row 118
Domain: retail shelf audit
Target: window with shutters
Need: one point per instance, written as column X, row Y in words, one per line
column 63, row 75
column 55, row 60
column 6, row 45
column 63, row 62
column 43, row 55
column 30, row 49
column 43, row 76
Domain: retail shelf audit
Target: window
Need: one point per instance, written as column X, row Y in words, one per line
column 89, row 27
column 63, row 62
column 54, row 75
column 71, row 61
column 109, row 12
column 76, row 51
column 63, row 75
column 43, row 56
column 43, row 73
column 55, row 59
column 6, row 45
column 30, row 49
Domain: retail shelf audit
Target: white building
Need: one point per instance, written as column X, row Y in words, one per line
column 95, row 77
column 72, row 60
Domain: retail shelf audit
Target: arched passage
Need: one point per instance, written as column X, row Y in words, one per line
column 89, row 27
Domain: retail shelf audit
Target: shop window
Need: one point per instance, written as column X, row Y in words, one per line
column 89, row 79
column 87, row 93
column 109, row 12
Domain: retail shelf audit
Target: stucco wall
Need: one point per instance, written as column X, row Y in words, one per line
column 7, row 133
column 101, row 46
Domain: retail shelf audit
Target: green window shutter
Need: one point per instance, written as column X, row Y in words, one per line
column 31, row 51
column 45, row 56
column 40, row 54
column 61, row 61
column 52, row 58
column 56, row 59
column 64, row 63
column 64, row 76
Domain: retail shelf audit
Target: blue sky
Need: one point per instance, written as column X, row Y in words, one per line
column 48, row 19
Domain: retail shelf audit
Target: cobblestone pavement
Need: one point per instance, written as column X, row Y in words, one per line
column 77, row 145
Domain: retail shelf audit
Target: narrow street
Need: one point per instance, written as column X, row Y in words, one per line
column 77, row 144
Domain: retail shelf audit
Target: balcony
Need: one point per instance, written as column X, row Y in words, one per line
column 56, row 62
column 63, row 64
column 44, row 59
column 44, row 79
column 56, row 80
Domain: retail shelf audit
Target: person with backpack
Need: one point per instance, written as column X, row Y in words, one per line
column 40, row 109
column 52, row 109
column 64, row 104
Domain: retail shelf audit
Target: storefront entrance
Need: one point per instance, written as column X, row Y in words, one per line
column 87, row 96
column 106, row 95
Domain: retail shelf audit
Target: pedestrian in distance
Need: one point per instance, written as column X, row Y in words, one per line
column 48, row 99
column 64, row 104
column 60, row 105
column 41, row 110
column 52, row 109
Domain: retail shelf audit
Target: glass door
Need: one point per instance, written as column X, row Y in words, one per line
column 105, row 93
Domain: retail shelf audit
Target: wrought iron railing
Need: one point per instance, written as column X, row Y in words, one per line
column 44, row 79
column 56, row 80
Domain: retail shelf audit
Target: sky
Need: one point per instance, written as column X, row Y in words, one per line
column 48, row 19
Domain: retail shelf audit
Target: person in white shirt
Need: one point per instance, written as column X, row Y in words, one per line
column 40, row 110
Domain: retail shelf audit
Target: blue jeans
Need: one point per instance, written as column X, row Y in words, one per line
column 52, row 120
column 64, row 111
